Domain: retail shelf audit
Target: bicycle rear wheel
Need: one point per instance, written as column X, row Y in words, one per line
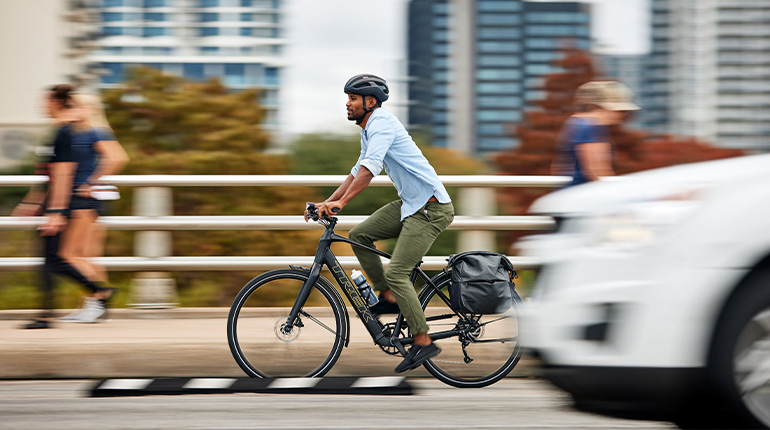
column 486, row 348
column 263, row 345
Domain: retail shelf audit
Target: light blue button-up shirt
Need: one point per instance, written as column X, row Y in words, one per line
column 386, row 143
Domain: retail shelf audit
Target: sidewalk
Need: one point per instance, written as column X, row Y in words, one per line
column 177, row 342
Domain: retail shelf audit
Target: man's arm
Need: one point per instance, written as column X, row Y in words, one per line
column 340, row 191
column 595, row 159
column 59, row 188
column 345, row 193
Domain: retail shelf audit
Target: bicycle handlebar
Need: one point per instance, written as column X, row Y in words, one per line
column 312, row 213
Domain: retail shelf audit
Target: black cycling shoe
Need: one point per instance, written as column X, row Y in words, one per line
column 416, row 356
column 384, row 307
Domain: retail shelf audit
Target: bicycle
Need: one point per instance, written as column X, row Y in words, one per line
column 477, row 350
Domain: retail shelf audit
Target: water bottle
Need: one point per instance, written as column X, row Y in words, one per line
column 364, row 288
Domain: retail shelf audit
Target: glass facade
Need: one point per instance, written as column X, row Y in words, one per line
column 709, row 61
column 237, row 41
column 514, row 45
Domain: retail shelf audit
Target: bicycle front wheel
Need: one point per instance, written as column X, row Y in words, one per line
column 476, row 350
column 263, row 343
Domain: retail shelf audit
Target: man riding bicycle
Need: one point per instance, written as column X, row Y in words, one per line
column 423, row 211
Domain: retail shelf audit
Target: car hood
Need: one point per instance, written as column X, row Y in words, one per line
column 612, row 192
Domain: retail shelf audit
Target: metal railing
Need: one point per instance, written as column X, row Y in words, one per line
column 226, row 222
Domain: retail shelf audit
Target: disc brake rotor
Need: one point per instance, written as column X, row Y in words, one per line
column 283, row 333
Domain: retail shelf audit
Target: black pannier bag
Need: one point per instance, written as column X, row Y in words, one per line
column 481, row 283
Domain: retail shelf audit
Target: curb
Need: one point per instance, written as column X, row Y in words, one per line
column 389, row 385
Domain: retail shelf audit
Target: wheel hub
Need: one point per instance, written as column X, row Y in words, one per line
column 284, row 332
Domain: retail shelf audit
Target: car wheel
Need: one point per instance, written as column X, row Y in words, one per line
column 740, row 354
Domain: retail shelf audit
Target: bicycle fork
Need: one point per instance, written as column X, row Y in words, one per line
column 299, row 303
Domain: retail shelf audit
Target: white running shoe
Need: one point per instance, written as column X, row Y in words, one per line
column 91, row 312
column 75, row 315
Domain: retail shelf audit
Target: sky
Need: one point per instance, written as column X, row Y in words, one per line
column 332, row 40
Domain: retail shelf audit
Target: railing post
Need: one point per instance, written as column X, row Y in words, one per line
column 153, row 289
column 476, row 202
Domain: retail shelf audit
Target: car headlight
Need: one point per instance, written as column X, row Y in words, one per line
column 643, row 222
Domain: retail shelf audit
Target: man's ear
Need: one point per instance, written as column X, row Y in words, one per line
column 371, row 102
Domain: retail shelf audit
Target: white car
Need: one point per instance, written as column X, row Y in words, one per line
column 653, row 300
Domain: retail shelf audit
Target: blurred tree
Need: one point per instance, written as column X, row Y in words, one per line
column 170, row 125
column 538, row 134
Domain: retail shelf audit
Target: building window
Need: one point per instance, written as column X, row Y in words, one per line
column 498, row 60
column 506, row 47
column 499, row 19
column 115, row 73
column 495, row 129
column 155, row 31
column 209, row 50
column 113, row 31
column 542, row 56
column 498, row 75
column 209, row 31
column 193, row 71
column 499, row 102
column 112, row 50
column 441, row 22
column 557, row 17
column 113, row 3
column 508, row 88
column 495, row 144
column 557, row 30
column 209, row 3
column 112, row 16
column 441, row 36
column 498, row 115
column 540, row 69
column 247, row 31
column 271, row 76
column 499, row 6
column 209, row 17
column 155, row 3
column 156, row 51
column 499, row 33
column 235, row 74
column 441, row 8
column 153, row 16
column 440, row 49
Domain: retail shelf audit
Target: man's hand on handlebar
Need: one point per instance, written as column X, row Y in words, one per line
column 324, row 209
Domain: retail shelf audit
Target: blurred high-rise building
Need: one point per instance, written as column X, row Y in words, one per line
column 238, row 41
column 709, row 69
column 42, row 43
column 630, row 70
column 473, row 65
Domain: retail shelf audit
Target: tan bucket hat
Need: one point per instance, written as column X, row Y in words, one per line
column 610, row 95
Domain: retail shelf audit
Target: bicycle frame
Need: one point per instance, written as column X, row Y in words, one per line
column 324, row 256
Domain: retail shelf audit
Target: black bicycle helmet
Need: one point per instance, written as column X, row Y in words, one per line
column 368, row 85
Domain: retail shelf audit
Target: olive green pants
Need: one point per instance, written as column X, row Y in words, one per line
column 416, row 233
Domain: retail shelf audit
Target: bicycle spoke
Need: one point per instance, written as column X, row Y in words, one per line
column 319, row 322
column 501, row 340
column 497, row 319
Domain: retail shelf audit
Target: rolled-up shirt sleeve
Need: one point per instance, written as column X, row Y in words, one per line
column 380, row 137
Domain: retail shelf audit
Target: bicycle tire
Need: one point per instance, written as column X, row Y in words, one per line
column 254, row 324
column 495, row 349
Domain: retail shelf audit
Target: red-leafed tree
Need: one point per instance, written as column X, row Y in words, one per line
column 634, row 150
